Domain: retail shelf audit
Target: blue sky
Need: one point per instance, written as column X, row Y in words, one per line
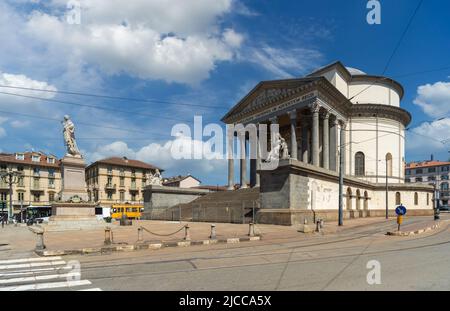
column 203, row 52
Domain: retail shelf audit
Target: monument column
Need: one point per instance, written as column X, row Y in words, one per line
column 243, row 147
column 315, row 134
column 230, row 154
column 293, row 117
column 326, row 140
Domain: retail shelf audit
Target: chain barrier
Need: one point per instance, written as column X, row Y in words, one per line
column 159, row 234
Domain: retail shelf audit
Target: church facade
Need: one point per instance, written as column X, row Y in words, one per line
column 335, row 109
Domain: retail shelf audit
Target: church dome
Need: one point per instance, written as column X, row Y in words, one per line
column 354, row 71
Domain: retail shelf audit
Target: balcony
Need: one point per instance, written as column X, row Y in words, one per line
column 36, row 187
column 51, row 186
column 4, row 186
column 110, row 186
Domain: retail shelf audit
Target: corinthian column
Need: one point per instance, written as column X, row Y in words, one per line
column 315, row 134
column 243, row 147
column 326, row 140
column 293, row 117
column 230, row 154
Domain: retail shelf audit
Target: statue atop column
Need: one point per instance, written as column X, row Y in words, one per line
column 279, row 150
column 156, row 178
column 69, row 138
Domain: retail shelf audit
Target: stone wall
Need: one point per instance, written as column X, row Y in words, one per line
column 296, row 191
column 158, row 199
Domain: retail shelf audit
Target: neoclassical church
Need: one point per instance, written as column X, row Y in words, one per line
column 334, row 109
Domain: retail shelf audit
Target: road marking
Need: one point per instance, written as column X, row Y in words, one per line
column 40, row 278
column 33, row 271
column 96, row 289
column 32, row 264
column 39, row 286
column 21, row 260
column 24, row 274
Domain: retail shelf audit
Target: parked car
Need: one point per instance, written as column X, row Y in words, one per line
column 444, row 207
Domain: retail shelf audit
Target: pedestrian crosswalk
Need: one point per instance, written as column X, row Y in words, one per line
column 42, row 273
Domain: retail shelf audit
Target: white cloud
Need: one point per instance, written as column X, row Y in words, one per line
column 285, row 63
column 173, row 40
column 19, row 123
column 2, row 130
column 161, row 156
column 434, row 99
column 14, row 82
column 429, row 136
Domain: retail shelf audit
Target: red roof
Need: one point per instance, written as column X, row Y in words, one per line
column 426, row 164
column 125, row 162
column 11, row 158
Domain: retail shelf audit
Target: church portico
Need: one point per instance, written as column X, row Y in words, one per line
column 322, row 118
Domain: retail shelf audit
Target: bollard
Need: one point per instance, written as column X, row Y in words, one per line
column 251, row 229
column 107, row 236
column 213, row 232
column 318, row 227
column 140, row 234
column 187, row 236
column 40, row 241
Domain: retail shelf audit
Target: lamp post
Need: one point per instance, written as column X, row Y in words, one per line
column 10, row 177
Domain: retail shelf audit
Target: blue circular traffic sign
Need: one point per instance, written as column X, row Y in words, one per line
column 400, row 210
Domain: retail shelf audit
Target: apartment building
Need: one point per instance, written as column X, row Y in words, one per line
column 431, row 172
column 39, row 183
column 118, row 180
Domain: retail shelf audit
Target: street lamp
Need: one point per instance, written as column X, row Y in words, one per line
column 10, row 177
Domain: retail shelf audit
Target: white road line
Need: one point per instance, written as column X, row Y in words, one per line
column 40, row 278
column 39, row 286
column 22, row 260
column 96, row 289
column 32, row 264
column 34, row 271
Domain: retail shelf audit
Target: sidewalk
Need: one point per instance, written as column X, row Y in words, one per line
column 22, row 239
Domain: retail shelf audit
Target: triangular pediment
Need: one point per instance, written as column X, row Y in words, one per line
column 267, row 92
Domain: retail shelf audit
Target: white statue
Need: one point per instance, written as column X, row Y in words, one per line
column 279, row 149
column 69, row 138
column 156, row 178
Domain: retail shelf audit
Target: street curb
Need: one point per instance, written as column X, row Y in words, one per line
column 143, row 245
column 409, row 233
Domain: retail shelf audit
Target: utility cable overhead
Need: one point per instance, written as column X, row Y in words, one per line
column 144, row 100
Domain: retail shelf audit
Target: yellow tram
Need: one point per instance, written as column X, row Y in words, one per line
column 132, row 211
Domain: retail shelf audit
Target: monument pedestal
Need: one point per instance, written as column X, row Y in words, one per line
column 73, row 212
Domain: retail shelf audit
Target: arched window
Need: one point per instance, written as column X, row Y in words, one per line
column 398, row 198
column 349, row 199
column 389, row 164
column 360, row 167
column 416, row 198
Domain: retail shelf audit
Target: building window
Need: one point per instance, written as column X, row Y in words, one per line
column 419, row 179
column 110, row 170
column 359, row 164
column 51, row 183
column 416, row 198
column 20, row 196
column 389, row 164
column 3, row 167
column 419, row 171
column 109, row 182
column 35, row 158
column 444, row 186
column 109, row 195
column 51, row 173
column 431, row 178
column 398, row 198
column 36, row 183
column 122, row 181
column 3, row 196
column 51, row 160
column 51, row 197
column 20, row 181
column 122, row 196
column 408, row 172
column 444, row 168
column 407, row 180
column 444, row 177
column 20, row 156
column 431, row 170
column 36, row 170
column 133, row 197
column 36, row 197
